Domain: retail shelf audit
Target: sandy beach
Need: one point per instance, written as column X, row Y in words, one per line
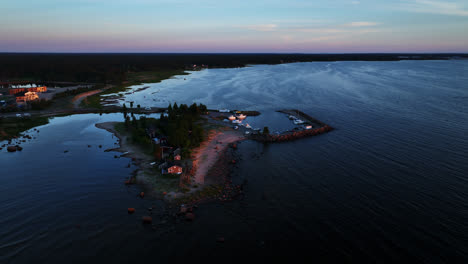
column 206, row 155
column 203, row 158
column 131, row 150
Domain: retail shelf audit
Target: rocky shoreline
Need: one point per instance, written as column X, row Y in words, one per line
column 217, row 187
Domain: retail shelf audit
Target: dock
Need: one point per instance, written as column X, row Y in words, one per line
column 320, row 128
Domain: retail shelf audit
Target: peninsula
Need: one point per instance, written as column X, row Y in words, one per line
column 186, row 155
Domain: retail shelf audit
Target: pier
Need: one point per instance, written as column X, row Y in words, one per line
column 319, row 128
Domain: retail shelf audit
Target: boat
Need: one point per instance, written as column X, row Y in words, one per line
column 247, row 126
column 292, row 117
column 241, row 117
column 224, row 110
column 232, row 118
column 298, row 122
column 236, row 121
column 308, row 127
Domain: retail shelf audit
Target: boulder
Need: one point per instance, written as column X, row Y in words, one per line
column 11, row 148
column 18, row 148
column 131, row 210
column 147, row 219
column 189, row 216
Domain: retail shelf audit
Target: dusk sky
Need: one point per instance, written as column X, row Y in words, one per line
column 234, row 26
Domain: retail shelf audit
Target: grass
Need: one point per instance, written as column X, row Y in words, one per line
column 120, row 127
column 162, row 182
column 11, row 127
column 206, row 192
column 133, row 78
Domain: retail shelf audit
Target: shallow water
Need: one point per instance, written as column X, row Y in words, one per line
column 388, row 184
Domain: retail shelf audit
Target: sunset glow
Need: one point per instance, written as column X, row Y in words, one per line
column 234, row 26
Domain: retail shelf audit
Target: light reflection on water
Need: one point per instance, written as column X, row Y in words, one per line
column 389, row 183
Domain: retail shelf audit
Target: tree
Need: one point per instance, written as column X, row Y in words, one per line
column 157, row 152
column 169, row 108
column 131, row 104
column 266, row 131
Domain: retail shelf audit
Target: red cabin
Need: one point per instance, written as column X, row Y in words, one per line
column 175, row 169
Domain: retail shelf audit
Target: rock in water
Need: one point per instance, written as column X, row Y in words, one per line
column 11, row 148
column 189, row 216
column 147, row 219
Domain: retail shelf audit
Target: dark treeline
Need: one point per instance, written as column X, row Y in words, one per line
column 180, row 127
column 114, row 68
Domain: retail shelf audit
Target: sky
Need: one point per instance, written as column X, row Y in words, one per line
column 269, row 26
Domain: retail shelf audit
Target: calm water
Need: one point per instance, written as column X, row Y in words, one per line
column 389, row 184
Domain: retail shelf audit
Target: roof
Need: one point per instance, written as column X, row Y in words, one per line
column 176, row 152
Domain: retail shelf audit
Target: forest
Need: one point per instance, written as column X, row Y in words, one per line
column 108, row 68
column 180, row 126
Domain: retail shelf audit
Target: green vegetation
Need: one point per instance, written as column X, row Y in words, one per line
column 181, row 128
column 136, row 129
column 40, row 104
column 117, row 68
column 208, row 192
column 134, row 78
column 153, row 76
column 11, row 127
column 93, row 101
column 162, row 182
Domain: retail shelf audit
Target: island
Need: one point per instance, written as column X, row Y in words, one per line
column 186, row 155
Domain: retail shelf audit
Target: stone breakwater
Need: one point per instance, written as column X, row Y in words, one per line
column 321, row 128
column 288, row 136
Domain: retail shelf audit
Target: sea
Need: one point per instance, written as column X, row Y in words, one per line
column 389, row 184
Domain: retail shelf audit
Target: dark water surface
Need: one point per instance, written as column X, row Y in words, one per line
column 389, row 184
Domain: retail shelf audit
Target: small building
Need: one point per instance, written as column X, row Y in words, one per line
column 175, row 170
column 26, row 97
column 40, row 89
